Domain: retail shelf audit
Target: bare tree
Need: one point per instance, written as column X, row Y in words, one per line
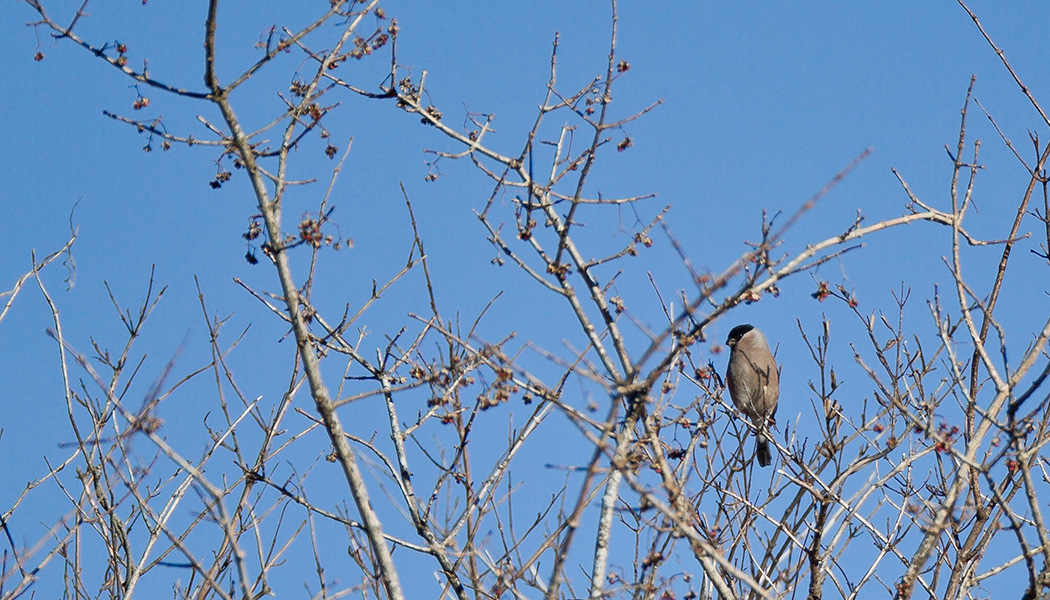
column 930, row 487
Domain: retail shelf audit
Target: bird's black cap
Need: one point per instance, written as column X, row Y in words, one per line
column 738, row 332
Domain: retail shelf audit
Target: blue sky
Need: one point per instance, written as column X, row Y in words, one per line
column 762, row 103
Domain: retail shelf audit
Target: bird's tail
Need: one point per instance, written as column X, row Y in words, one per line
column 762, row 451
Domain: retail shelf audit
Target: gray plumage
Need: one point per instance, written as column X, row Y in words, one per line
column 754, row 383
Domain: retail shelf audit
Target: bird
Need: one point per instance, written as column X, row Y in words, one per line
column 754, row 383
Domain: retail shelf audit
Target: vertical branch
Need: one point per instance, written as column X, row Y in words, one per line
column 418, row 520
column 311, row 365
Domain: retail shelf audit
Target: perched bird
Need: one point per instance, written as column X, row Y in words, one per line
column 754, row 383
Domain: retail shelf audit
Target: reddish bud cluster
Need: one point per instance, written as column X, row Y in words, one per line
column 310, row 232
column 220, row 178
column 946, row 435
column 704, row 373
column 433, row 113
column 525, row 231
column 122, row 51
column 409, row 92
column 593, row 98
column 822, row 292
column 654, row 558
column 254, row 230
column 559, row 270
column 364, row 47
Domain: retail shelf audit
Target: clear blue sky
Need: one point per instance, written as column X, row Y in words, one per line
column 763, row 103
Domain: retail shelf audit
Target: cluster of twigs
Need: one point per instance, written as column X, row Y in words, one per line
column 931, row 488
